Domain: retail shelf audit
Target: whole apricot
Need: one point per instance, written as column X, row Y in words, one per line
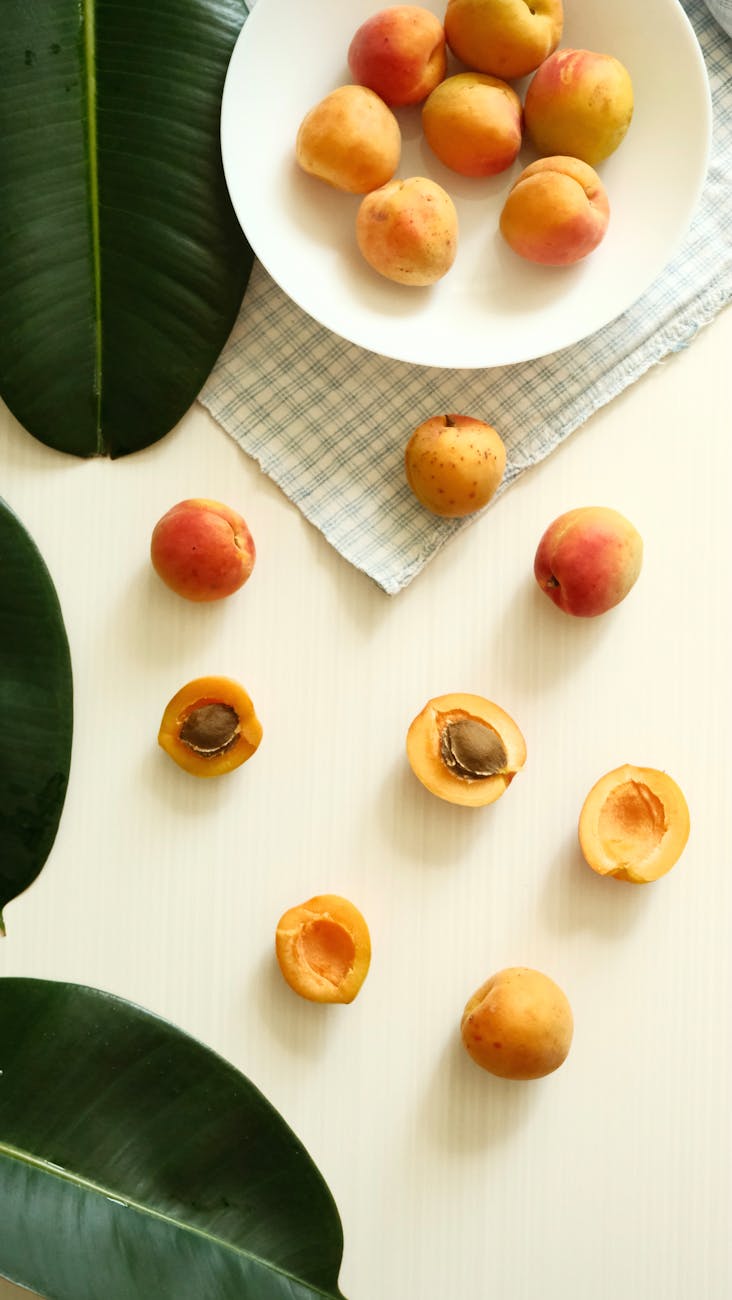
column 579, row 103
column 588, row 559
column 202, row 549
column 634, row 824
column 465, row 749
column 472, row 122
column 518, row 1024
column 323, row 949
column 556, row 212
column 400, row 53
column 350, row 140
column 454, row 464
column 408, row 231
column 505, row 38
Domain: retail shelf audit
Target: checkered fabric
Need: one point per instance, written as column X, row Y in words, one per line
column 327, row 420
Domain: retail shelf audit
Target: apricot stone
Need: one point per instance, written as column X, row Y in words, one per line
column 454, row 464
column 350, row 140
column 323, row 948
column 634, row 824
column 579, row 103
column 202, row 549
column 465, row 749
column 556, row 212
column 400, row 53
column 408, row 231
column 518, row 1024
column 210, row 727
column 505, row 38
column 588, row 559
column 472, row 122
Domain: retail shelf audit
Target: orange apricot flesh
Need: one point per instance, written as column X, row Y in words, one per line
column 210, row 727
column 323, row 949
column 465, row 749
column 634, row 824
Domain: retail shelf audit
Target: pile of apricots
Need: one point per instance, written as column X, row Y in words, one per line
column 463, row 748
column 575, row 113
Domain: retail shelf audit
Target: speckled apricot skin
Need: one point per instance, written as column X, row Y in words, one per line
column 202, row 549
column 473, row 123
column 323, row 949
column 518, row 1024
column 195, row 694
column 350, row 140
column 580, row 103
column 407, row 231
column 634, row 824
column 588, row 560
column 556, row 213
column 424, row 738
column 454, row 464
column 505, row 38
column 399, row 52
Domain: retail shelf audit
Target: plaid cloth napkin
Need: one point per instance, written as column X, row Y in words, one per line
column 302, row 401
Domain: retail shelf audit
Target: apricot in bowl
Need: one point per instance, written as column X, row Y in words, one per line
column 634, row 824
column 210, row 727
column 465, row 749
column 518, row 1024
column 323, row 949
column 202, row 549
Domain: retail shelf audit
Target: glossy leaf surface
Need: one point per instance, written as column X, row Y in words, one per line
column 36, row 707
column 122, row 265
column 134, row 1163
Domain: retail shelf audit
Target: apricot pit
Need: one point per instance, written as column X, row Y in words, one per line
column 210, row 727
column 634, row 824
column 323, row 949
column 465, row 749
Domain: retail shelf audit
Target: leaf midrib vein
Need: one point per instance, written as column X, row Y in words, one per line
column 90, row 70
column 88, row 1185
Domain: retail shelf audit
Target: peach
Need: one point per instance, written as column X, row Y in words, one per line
column 588, row 559
column 350, row 140
column 505, row 38
column 634, row 824
column 454, row 464
column 465, row 749
column 408, row 231
column 518, row 1024
column 556, row 212
column 579, row 103
column 400, row 53
column 202, row 549
column 472, row 122
column 323, row 949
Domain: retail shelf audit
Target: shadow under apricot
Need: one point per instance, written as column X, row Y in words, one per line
column 427, row 830
column 299, row 1027
column 576, row 898
column 465, row 1107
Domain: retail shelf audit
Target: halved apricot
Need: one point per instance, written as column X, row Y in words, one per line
column 323, row 949
column 210, row 727
column 465, row 749
column 634, row 824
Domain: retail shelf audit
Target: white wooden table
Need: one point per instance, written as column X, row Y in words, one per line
column 610, row 1179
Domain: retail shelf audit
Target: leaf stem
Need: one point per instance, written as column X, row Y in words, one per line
column 88, row 12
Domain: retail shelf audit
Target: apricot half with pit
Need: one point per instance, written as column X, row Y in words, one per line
column 323, row 949
column 634, row 824
column 465, row 749
column 518, row 1024
column 210, row 727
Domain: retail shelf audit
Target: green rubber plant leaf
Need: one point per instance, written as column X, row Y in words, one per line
column 36, row 707
column 122, row 265
column 135, row 1164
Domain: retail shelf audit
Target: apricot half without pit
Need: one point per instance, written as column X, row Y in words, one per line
column 634, row 824
column 210, row 726
column 323, row 949
column 465, row 749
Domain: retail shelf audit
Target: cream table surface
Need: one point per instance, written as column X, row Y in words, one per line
column 613, row 1177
